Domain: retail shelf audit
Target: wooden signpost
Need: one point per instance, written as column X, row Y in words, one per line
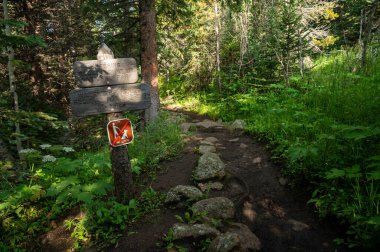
column 107, row 87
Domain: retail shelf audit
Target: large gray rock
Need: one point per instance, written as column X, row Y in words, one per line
column 234, row 140
column 186, row 127
column 248, row 240
column 225, row 243
column 211, row 139
column 209, row 166
column 182, row 230
column 218, row 208
column 182, row 192
column 204, row 142
column 203, row 149
column 298, row 226
column 207, row 124
column 238, row 125
column 283, row 181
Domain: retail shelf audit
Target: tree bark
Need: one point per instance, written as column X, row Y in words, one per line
column 131, row 38
column 368, row 32
column 360, row 41
column 149, row 64
column 11, row 57
column 300, row 53
column 217, row 34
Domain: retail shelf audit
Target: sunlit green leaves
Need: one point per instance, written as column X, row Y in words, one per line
column 335, row 173
column 374, row 221
column 99, row 188
column 352, row 172
column 57, row 188
column 359, row 132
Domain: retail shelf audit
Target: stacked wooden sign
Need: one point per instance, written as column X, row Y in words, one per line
column 106, row 87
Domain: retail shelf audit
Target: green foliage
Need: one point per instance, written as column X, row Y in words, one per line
column 191, row 217
column 161, row 140
column 47, row 190
column 151, row 200
column 105, row 221
column 17, row 39
column 58, row 179
column 37, row 127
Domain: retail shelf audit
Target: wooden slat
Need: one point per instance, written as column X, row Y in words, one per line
column 95, row 73
column 98, row 100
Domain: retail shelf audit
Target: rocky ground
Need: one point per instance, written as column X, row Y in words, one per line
column 231, row 198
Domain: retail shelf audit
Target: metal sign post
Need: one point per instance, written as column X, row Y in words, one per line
column 107, row 87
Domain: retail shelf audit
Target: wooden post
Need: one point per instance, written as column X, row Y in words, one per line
column 121, row 169
column 121, row 166
column 12, row 84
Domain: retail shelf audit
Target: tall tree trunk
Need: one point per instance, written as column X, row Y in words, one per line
column 300, row 53
column 149, row 64
column 11, row 57
column 244, row 22
column 130, row 35
column 368, row 32
column 360, row 41
column 35, row 72
column 217, row 34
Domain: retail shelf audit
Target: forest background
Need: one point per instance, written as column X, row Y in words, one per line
column 303, row 74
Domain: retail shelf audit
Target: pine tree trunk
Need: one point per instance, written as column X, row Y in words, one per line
column 368, row 32
column 300, row 53
column 130, row 35
column 11, row 56
column 217, row 34
column 149, row 64
column 360, row 41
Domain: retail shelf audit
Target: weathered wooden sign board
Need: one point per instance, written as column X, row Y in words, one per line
column 94, row 73
column 109, row 99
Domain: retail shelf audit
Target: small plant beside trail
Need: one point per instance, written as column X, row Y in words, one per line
column 325, row 127
column 60, row 178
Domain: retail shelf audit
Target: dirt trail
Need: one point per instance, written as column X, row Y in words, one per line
column 269, row 209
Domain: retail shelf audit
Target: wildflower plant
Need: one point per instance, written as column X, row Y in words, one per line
column 45, row 146
column 48, row 158
column 46, row 153
column 31, row 156
column 68, row 149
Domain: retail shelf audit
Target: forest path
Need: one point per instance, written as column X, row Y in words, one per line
column 276, row 215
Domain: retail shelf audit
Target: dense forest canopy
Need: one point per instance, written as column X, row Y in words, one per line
column 302, row 73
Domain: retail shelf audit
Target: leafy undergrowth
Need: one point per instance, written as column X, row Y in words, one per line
column 326, row 128
column 58, row 179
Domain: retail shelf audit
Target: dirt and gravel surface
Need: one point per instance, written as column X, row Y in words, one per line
column 264, row 202
column 269, row 208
